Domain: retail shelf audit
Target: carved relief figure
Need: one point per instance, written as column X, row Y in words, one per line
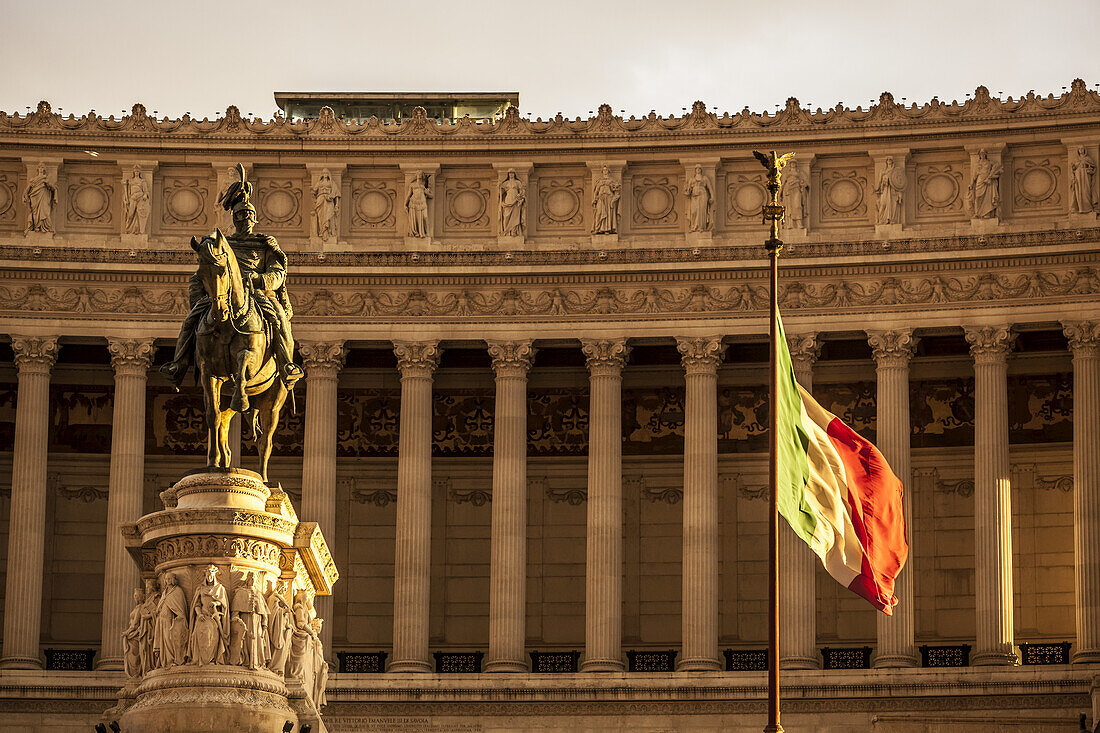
column 170, row 632
column 984, row 192
column 250, row 610
column 416, row 205
column 793, row 195
column 326, row 206
column 132, row 640
column 513, row 206
column 209, row 621
column 40, row 198
column 320, row 667
column 890, row 188
column 149, row 658
column 280, row 628
column 605, row 203
column 1080, row 183
column 136, row 200
column 301, row 665
column 700, row 202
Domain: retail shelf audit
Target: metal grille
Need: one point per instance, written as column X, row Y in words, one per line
column 1054, row 653
column 552, row 662
column 856, row 657
column 953, row 655
column 458, row 662
column 746, row 660
column 645, row 661
column 70, row 660
column 362, row 662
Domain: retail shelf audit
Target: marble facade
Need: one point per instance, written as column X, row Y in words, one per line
column 940, row 285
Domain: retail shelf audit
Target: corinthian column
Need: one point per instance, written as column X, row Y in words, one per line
column 699, row 575
column 603, row 604
column 34, row 356
column 1084, row 342
column 323, row 361
column 508, row 551
column 893, row 350
column 992, row 495
column 412, row 556
column 131, row 359
column 797, row 587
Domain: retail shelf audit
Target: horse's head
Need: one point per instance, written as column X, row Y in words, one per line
column 217, row 270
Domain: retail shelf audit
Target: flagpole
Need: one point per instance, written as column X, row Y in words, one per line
column 773, row 214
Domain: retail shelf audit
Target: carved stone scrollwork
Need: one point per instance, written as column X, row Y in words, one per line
column 90, row 200
column 603, row 355
column 217, row 546
column 1083, row 336
column 701, row 355
column 416, row 358
column 378, row 497
column 1035, row 184
column 35, row 354
column 323, row 358
column 655, row 202
column 892, row 348
column 512, row 358
column 843, row 194
column 805, row 348
column 560, row 203
column 989, row 343
column 130, row 355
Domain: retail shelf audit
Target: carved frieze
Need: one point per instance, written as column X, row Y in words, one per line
column 217, row 546
column 1037, row 184
column 374, row 205
column 467, row 205
column 279, row 203
column 560, row 203
column 184, row 201
column 941, row 188
column 745, row 197
column 654, row 200
column 844, row 195
column 89, row 200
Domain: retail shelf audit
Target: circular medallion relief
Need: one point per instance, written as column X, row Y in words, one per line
column 1037, row 184
column 844, row 195
column 561, row 204
column 940, row 190
column 373, row 207
column 184, row 204
column 467, row 206
column 90, row 202
column 6, row 199
column 656, row 202
column 280, row 205
column 748, row 199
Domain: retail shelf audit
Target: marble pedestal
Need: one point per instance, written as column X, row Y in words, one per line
column 224, row 635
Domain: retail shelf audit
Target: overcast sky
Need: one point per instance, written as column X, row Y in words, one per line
column 561, row 55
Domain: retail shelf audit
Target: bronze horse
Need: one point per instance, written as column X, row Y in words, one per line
column 233, row 344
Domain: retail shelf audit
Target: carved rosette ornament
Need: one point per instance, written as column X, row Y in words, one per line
column 511, row 358
column 892, row 348
column 701, row 355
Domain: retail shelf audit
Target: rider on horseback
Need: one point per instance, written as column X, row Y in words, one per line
column 262, row 262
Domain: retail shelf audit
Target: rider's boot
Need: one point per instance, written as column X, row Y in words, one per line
column 176, row 369
column 284, row 360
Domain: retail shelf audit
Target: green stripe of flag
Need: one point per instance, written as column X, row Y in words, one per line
column 792, row 446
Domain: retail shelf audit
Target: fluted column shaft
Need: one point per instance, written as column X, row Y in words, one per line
column 1084, row 342
column 412, row 556
column 131, row 359
column 603, row 607
column 990, row 346
column 797, row 583
column 508, row 549
column 323, row 361
column 34, row 357
column 699, row 573
column 893, row 350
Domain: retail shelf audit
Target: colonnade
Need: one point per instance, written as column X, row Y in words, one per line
column 605, row 360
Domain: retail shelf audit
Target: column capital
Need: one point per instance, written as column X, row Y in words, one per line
column 512, row 358
column 416, row 358
column 805, row 348
column 1083, row 336
column 605, row 356
column 34, row 353
column 989, row 344
column 700, row 355
column 892, row 348
column 322, row 358
column 131, row 356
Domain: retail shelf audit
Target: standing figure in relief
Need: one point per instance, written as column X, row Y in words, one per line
column 209, row 621
column 605, row 203
column 170, row 633
column 326, row 206
column 150, row 660
column 1080, row 183
column 320, row 667
column 793, row 195
column 136, row 201
column 513, row 206
column 416, row 205
column 40, row 198
column 249, row 607
column 280, row 629
column 984, row 192
column 700, row 202
column 891, row 186
column 131, row 638
column 301, row 644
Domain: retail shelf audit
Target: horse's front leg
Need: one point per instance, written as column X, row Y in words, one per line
column 211, row 392
column 225, row 419
column 240, row 399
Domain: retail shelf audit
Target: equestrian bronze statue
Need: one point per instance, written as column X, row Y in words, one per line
column 238, row 331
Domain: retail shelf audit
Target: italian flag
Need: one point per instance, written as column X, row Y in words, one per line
column 837, row 492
